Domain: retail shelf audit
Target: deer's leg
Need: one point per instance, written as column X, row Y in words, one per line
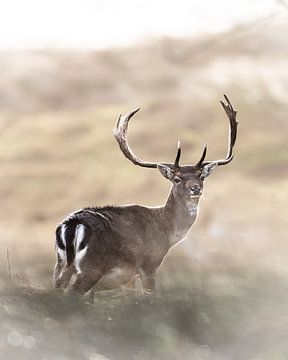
column 85, row 280
column 131, row 284
column 148, row 281
column 134, row 285
column 86, row 274
column 56, row 274
column 62, row 279
column 62, row 273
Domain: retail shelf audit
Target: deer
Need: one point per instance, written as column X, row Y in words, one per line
column 109, row 246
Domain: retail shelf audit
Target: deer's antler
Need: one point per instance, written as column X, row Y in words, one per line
column 120, row 134
column 231, row 113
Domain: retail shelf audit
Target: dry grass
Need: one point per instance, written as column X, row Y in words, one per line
column 182, row 322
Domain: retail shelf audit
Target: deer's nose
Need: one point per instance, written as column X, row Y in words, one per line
column 196, row 190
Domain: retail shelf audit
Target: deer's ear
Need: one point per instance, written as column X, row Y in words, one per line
column 208, row 169
column 166, row 171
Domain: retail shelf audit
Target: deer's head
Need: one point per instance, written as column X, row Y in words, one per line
column 187, row 180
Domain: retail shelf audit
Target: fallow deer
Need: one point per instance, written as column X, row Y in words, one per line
column 110, row 245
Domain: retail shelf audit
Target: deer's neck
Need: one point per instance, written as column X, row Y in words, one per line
column 179, row 215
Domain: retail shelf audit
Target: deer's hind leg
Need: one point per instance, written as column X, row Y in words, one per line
column 87, row 274
column 62, row 273
column 84, row 281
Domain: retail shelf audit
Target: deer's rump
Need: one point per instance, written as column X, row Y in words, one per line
column 89, row 235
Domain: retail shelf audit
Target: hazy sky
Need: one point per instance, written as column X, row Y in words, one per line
column 104, row 23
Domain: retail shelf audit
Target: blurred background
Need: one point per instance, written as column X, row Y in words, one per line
column 68, row 69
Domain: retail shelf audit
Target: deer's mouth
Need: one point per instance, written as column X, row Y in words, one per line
column 191, row 197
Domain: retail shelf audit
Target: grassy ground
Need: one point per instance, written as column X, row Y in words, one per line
column 177, row 323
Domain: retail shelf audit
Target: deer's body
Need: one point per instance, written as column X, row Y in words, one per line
column 109, row 246
column 143, row 237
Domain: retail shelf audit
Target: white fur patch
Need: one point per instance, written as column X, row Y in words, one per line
column 79, row 254
column 62, row 253
column 63, row 228
column 193, row 209
column 79, row 236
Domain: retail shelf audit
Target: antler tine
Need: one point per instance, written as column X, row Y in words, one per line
column 120, row 134
column 233, row 123
column 178, row 155
column 199, row 163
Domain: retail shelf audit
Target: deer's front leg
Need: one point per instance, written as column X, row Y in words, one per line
column 148, row 281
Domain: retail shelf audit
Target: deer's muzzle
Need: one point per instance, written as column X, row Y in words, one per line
column 195, row 190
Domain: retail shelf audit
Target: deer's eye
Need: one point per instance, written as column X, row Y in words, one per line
column 176, row 180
